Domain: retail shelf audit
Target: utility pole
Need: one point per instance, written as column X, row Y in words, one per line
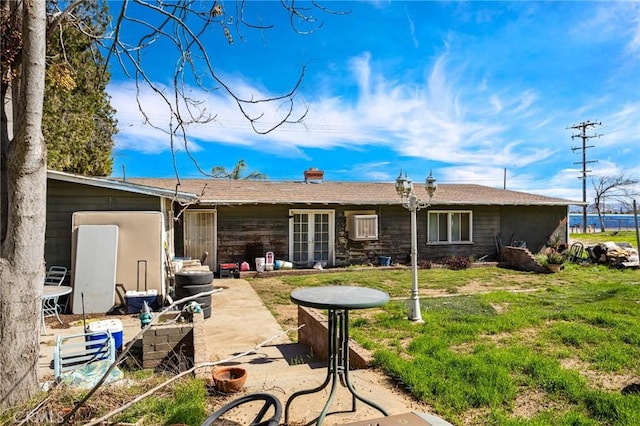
column 582, row 127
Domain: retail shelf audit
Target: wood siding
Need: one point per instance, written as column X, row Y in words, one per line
column 532, row 224
column 395, row 237
column 65, row 198
column 247, row 232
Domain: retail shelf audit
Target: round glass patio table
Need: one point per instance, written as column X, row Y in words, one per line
column 338, row 301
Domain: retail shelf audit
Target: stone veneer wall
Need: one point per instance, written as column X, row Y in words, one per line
column 315, row 335
column 165, row 346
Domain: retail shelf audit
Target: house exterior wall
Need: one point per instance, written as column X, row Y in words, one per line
column 531, row 224
column 65, row 198
column 248, row 231
column 395, row 236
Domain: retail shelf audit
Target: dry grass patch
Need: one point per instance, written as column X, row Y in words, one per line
column 500, row 308
column 599, row 379
column 531, row 402
column 475, row 417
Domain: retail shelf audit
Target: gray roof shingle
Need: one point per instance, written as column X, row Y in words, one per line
column 228, row 191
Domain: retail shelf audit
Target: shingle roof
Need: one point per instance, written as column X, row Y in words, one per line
column 228, row 191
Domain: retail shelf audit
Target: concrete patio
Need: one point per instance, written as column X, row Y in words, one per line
column 239, row 322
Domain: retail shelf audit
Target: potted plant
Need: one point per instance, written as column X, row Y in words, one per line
column 550, row 259
column 555, row 261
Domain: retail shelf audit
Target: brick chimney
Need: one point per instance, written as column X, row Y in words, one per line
column 313, row 175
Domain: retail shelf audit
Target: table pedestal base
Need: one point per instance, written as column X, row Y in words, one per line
column 338, row 368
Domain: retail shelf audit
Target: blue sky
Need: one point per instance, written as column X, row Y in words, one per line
column 466, row 89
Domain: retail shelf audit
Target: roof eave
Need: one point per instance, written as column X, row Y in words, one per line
column 508, row 203
column 386, row 203
column 119, row 185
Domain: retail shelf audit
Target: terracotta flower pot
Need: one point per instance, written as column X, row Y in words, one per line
column 229, row 379
column 555, row 267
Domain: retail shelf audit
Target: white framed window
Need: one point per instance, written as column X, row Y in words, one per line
column 450, row 227
column 362, row 227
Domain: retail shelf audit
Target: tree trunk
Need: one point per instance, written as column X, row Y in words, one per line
column 600, row 218
column 25, row 178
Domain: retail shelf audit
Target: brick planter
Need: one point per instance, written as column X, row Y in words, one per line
column 522, row 259
column 315, row 335
column 175, row 346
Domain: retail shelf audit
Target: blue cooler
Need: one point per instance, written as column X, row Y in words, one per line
column 135, row 300
column 114, row 326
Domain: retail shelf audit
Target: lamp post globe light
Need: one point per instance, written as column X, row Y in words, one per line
column 410, row 201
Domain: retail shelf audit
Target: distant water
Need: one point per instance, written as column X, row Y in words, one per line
column 611, row 221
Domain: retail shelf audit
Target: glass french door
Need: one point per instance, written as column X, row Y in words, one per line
column 311, row 237
column 200, row 235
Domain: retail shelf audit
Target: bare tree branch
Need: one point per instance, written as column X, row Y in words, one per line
column 182, row 24
column 618, row 188
column 185, row 204
column 128, row 347
column 184, row 373
column 58, row 17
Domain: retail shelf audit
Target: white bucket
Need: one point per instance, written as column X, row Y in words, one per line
column 286, row 265
column 260, row 262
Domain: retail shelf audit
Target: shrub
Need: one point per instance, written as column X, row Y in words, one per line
column 456, row 262
column 555, row 258
column 425, row 264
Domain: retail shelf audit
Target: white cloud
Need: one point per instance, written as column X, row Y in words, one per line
column 611, row 20
column 497, row 104
column 412, row 31
column 479, row 126
column 431, row 119
column 369, row 171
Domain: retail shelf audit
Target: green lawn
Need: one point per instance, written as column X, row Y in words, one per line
column 601, row 237
column 558, row 353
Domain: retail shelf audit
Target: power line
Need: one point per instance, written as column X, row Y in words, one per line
column 584, row 136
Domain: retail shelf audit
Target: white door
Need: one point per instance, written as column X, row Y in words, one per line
column 200, row 235
column 311, row 237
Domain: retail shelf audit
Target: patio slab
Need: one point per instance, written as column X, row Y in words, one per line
column 239, row 322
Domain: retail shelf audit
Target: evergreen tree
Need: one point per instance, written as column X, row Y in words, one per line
column 78, row 122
